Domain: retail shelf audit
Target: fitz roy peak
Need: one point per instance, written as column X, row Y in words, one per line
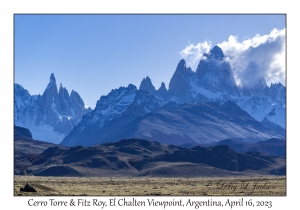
column 51, row 116
column 171, row 116
column 214, row 81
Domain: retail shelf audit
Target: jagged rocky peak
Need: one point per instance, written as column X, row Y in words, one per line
column 77, row 97
column 147, row 85
column 277, row 86
column 52, row 78
column 278, row 92
column 132, row 87
column 215, row 66
column 181, row 67
column 163, row 86
column 108, row 100
column 63, row 91
column 179, row 85
column 52, row 82
column 162, row 90
column 216, row 53
column 52, row 85
column 61, row 86
column 50, row 95
column 181, row 63
column 20, row 91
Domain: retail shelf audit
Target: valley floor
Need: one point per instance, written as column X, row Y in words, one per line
column 146, row 186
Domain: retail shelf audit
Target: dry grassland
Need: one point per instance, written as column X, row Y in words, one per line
column 94, row 186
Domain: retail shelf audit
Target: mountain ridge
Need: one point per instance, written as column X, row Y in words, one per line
column 204, row 123
column 212, row 81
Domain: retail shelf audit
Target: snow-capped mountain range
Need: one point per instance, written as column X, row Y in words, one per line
column 213, row 81
column 50, row 116
column 130, row 112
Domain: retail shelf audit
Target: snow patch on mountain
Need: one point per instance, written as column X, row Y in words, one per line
column 259, row 108
column 109, row 106
column 195, row 89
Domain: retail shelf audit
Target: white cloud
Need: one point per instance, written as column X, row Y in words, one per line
column 260, row 56
column 250, row 59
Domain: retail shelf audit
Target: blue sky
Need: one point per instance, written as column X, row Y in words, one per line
column 94, row 54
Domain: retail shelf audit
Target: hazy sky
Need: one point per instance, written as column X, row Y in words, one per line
column 93, row 54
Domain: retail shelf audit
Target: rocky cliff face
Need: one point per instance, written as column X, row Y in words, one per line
column 214, row 73
column 180, row 85
column 147, row 85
